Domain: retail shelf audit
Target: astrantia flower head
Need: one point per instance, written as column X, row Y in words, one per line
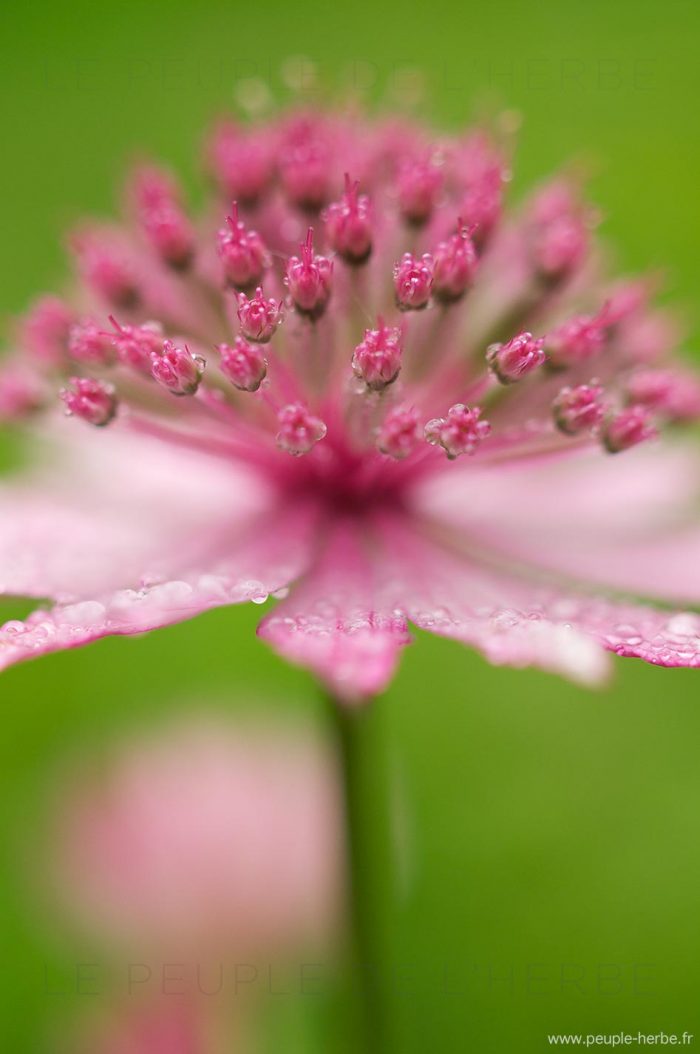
column 398, row 402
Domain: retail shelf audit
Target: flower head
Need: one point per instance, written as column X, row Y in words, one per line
column 449, row 469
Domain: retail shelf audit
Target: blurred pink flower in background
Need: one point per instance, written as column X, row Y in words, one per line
column 205, row 839
column 373, row 385
column 208, row 854
column 161, row 1026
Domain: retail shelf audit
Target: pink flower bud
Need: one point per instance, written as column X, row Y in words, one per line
column 93, row 401
column 242, row 253
column 400, row 433
column 578, row 409
column 575, row 341
column 481, row 205
column 413, row 281
column 21, row 391
column 559, row 234
column 242, row 162
column 45, row 330
column 309, row 279
column 244, row 364
column 305, row 168
column 136, row 345
column 419, row 183
column 627, row 428
column 674, row 394
column 348, row 226
column 299, row 430
column 454, row 266
column 177, row 369
column 171, row 235
column 460, row 432
column 512, row 361
column 106, row 269
column 377, row 360
column 259, row 317
column 161, row 216
column 88, row 342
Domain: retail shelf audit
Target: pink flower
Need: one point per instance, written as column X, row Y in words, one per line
column 161, row 1025
column 488, row 512
column 227, row 841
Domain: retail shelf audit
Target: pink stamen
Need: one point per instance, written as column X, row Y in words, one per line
column 348, row 225
column 242, row 162
column 309, row 279
column 400, row 433
column 454, row 266
column 512, row 361
column 243, row 364
column 674, row 394
column 88, row 342
column 413, row 281
column 162, row 218
column 243, row 254
column 419, row 183
column 21, row 392
column 93, row 401
column 460, row 432
column 627, row 428
column 136, row 345
column 578, row 409
column 106, row 270
column 305, row 166
column 299, row 430
column 559, row 233
column 177, row 369
column 45, row 330
column 377, row 360
column 258, row 316
column 575, row 341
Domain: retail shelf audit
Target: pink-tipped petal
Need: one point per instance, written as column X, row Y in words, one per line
column 339, row 621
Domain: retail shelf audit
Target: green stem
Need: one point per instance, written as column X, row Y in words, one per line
column 364, row 972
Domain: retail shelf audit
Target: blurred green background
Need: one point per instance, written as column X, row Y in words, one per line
column 546, row 825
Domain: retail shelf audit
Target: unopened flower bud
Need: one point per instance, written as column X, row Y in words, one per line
column 242, row 253
column 399, row 433
column 88, row 342
column 627, row 428
column 299, row 430
column 512, row 361
column 243, row 364
column 377, row 360
column 242, row 162
column 258, row 316
column 309, row 279
column 454, row 266
column 460, row 432
column 106, row 269
column 578, row 409
column 177, row 369
column 45, row 330
column 413, row 281
column 575, row 341
column 673, row 394
column 136, row 345
column 93, row 401
column 348, row 225
column 419, row 185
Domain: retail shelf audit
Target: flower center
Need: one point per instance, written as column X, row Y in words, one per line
column 347, row 482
